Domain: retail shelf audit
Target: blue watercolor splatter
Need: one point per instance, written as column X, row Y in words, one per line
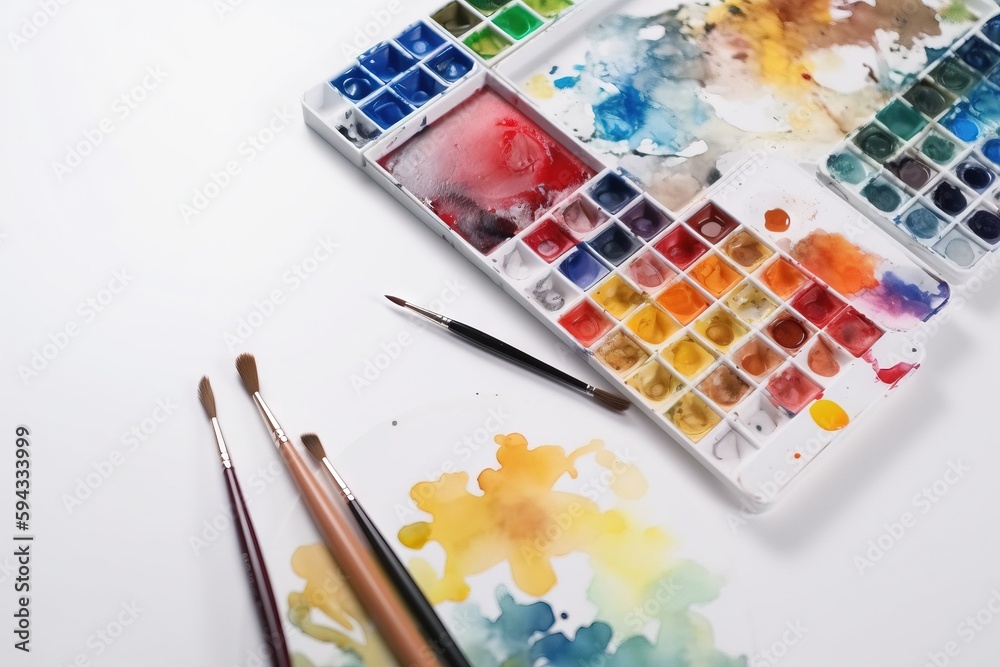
column 899, row 296
column 523, row 634
column 591, row 642
column 650, row 89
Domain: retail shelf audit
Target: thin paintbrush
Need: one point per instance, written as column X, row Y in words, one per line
column 253, row 559
column 507, row 351
column 449, row 652
column 362, row 572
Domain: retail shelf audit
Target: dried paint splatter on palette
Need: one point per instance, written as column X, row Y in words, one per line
column 898, row 297
column 646, row 599
column 679, row 98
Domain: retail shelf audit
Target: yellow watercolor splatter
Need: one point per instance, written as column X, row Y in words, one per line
column 539, row 86
column 627, row 481
column 518, row 519
column 779, row 47
column 327, row 592
column 828, row 415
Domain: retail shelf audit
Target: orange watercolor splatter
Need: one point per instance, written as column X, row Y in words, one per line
column 777, row 220
column 843, row 265
column 518, row 519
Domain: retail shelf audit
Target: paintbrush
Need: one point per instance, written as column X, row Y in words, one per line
column 511, row 353
column 362, row 572
column 449, row 652
column 253, row 558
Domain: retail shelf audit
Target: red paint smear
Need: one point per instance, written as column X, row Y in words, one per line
column 896, row 373
column 890, row 375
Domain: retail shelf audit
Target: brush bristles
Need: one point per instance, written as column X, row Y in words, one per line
column 396, row 300
column 315, row 447
column 247, row 367
column 612, row 400
column 207, row 397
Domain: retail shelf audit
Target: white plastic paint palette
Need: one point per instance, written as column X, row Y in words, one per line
column 927, row 166
column 736, row 339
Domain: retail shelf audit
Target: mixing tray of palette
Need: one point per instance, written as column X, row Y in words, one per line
column 928, row 164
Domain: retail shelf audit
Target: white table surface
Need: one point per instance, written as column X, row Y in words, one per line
column 223, row 72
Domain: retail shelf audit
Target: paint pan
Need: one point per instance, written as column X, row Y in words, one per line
column 489, row 172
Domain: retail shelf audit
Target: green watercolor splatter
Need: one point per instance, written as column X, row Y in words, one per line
column 957, row 12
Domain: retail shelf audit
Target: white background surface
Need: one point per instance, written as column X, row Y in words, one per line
column 226, row 74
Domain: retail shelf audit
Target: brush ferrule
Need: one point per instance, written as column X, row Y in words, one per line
column 440, row 320
column 277, row 433
column 221, row 441
column 344, row 489
column 590, row 389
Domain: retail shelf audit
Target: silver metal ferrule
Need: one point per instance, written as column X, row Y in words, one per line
column 277, row 433
column 221, row 441
column 344, row 489
column 430, row 314
column 590, row 389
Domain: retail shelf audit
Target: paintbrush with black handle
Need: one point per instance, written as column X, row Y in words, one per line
column 511, row 353
column 420, row 607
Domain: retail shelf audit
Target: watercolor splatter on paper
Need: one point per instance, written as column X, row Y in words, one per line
column 327, row 611
column 643, row 602
column 645, row 597
column 486, row 169
column 683, row 96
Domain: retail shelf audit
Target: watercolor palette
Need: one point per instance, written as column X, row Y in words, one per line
column 754, row 319
column 927, row 165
